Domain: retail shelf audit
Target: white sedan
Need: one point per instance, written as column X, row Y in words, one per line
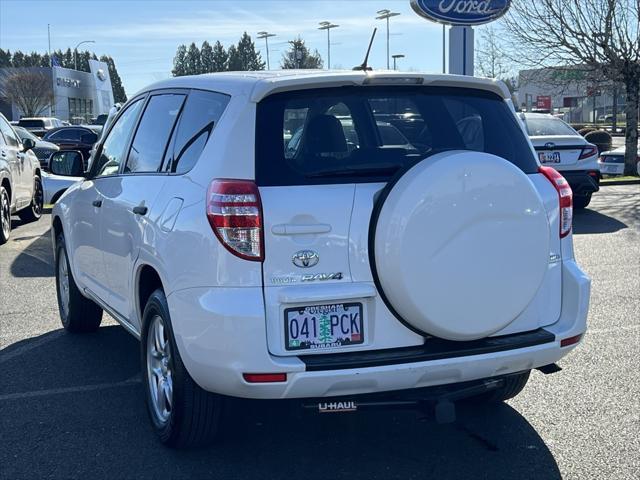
column 612, row 162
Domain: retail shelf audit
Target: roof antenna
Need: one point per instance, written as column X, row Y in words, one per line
column 364, row 66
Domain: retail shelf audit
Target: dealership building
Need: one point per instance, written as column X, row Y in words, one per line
column 570, row 91
column 76, row 94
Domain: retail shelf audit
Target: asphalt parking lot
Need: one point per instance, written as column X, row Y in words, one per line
column 72, row 406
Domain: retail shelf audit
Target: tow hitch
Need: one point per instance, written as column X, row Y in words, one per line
column 436, row 402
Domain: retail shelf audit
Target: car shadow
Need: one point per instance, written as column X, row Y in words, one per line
column 586, row 221
column 36, row 259
column 73, row 407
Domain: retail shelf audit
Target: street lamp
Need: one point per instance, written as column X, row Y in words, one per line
column 266, row 36
column 328, row 26
column 396, row 57
column 75, row 52
column 386, row 14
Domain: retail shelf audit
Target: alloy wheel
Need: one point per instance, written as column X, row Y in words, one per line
column 159, row 370
column 63, row 282
column 5, row 214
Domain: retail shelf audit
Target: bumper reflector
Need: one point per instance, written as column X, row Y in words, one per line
column 570, row 341
column 264, row 377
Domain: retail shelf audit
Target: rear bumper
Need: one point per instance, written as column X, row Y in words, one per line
column 221, row 334
column 583, row 182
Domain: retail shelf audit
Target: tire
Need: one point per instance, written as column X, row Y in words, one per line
column 192, row 415
column 5, row 216
column 581, row 202
column 77, row 313
column 34, row 211
column 512, row 386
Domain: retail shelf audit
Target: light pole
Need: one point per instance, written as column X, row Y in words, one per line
column 386, row 14
column 396, row 57
column 75, row 52
column 328, row 26
column 266, row 36
column 297, row 53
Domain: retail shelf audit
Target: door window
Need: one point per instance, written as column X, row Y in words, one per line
column 113, row 149
column 9, row 136
column 153, row 133
column 199, row 117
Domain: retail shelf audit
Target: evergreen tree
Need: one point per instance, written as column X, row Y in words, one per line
column 5, row 58
column 119, row 94
column 18, row 59
column 179, row 62
column 249, row 57
column 234, row 62
column 32, row 60
column 45, row 61
column 299, row 56
column 67, row 59
column 206, row 57
column 220, row 58
column 193, row 61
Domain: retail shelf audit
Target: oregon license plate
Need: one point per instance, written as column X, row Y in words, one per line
column 323, row 326
column 549, row 157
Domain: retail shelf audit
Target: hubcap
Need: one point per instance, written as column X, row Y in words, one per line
column 63, row 283
column 5, row 214
column 159, row 372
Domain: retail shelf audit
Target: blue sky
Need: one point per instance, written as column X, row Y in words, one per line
column 142, row 35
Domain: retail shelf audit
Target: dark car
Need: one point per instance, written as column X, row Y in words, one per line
column 73, row 138
column 43, row 149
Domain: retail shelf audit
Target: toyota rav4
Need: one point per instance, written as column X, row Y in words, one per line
column 326, row 236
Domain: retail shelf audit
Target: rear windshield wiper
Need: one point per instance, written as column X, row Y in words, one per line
column 355, row 172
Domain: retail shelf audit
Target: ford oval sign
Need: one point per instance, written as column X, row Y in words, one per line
column 461, row 12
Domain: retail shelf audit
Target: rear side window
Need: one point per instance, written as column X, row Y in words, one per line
column 66, row 134
column 199, row 117
column 31, row 123
column 153, row 133
column 366, row 134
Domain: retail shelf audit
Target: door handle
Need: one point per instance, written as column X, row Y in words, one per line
column 3, row 154
column 97, row 203
column 140, row 210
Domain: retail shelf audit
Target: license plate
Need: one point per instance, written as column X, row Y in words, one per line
column 323, row 326
column 611, row 169
column 549, row 157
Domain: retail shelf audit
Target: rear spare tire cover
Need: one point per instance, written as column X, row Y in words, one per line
column 460, row 244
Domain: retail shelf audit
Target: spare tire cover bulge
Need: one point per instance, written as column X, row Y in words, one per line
column 460, row 245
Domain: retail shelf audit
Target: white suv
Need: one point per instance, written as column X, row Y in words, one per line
column 407, row 239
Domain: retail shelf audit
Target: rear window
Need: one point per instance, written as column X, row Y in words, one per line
column 367, row 134
column 544, row 126
column 31, row 123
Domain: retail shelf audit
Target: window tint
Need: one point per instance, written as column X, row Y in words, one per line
column 31, row 123
column 547, row 126
column 9, row 136
column 113, row 149
column 199, row 117
column 152, row 135
column 72, row 134
column 365, row 134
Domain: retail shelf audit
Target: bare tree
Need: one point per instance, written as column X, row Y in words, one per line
column 601, row 36
column 490, row 59
column 29, row 89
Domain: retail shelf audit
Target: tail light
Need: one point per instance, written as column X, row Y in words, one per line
column 234, row 212
column 588, row 151
column 566, row 198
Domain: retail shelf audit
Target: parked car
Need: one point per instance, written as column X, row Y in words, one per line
column 20, row 180
column 443, row 269
column 77, row 138
column 39, row 125
column 43, row 149
column 559, row 146
column 612, row 162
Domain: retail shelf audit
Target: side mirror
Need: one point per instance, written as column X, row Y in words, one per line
column 67, row 163
column 28, row 144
